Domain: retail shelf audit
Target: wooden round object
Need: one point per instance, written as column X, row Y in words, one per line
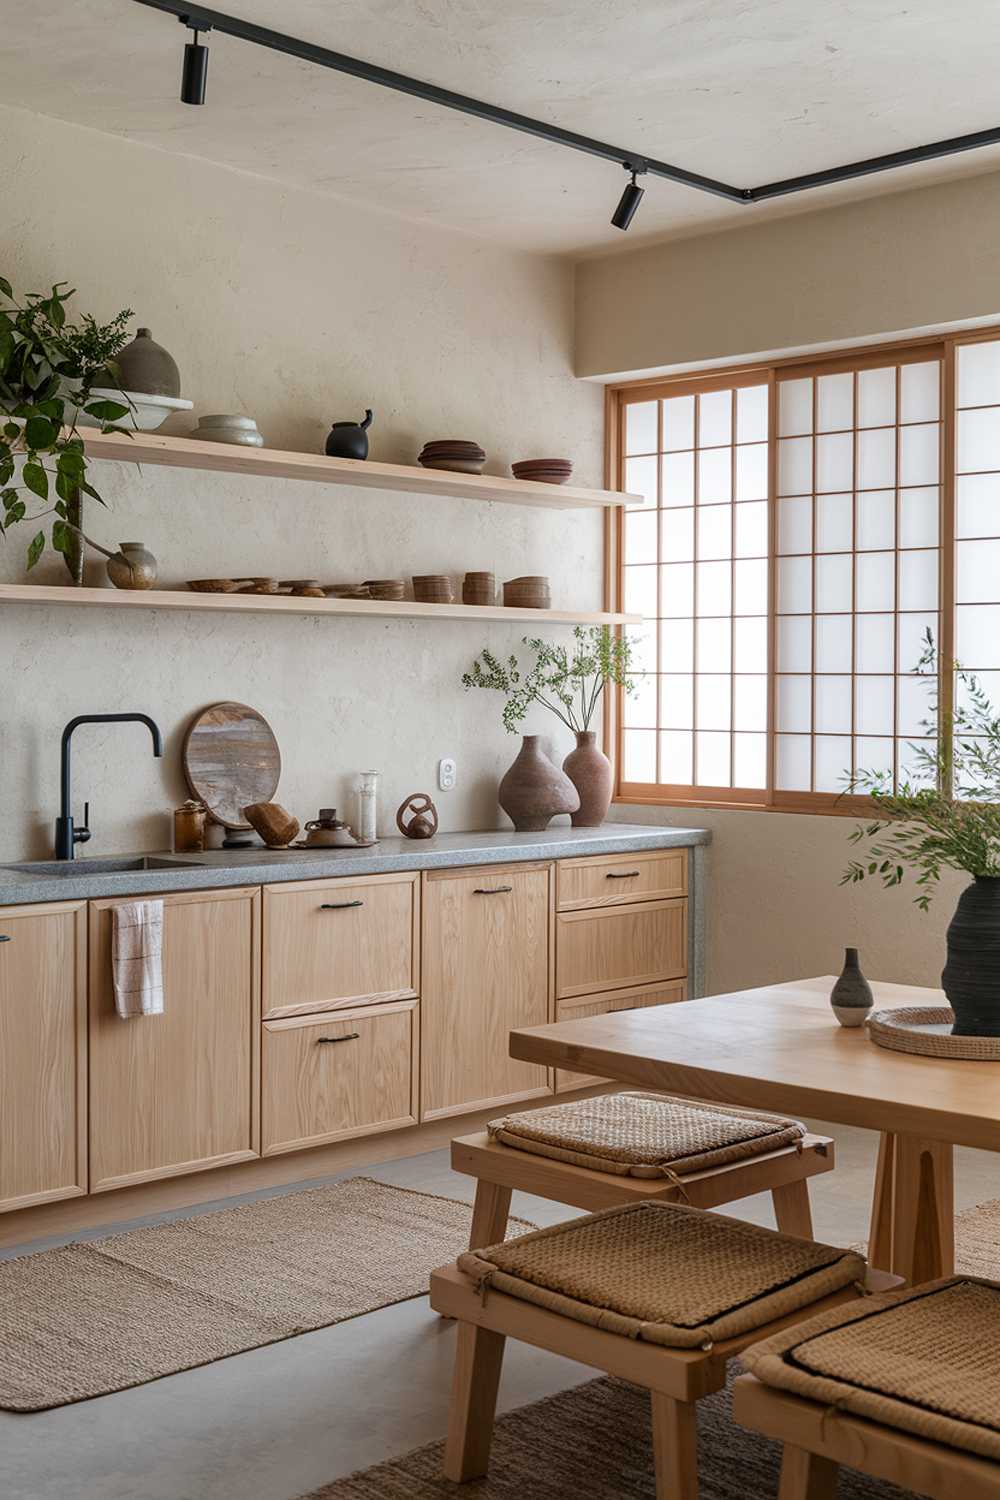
column 231, row 759
column 423, row 823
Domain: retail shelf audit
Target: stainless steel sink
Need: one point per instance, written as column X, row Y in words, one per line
column 111, row 866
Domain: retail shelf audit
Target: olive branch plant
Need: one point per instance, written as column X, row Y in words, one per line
column 569, row 683
column 947, row 815
column 48, row 367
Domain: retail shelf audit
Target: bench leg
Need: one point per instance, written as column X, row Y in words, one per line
column 478, row 1362
column 675, row 1448
column 806, row 1476
column 791, row 1209
column 489, row 1215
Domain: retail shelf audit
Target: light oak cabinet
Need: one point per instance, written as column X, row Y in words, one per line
column 332, row 1076
column 486, row 957
column 603, row 1005
column 617, row 879
column 43, row 1101
column 178, row 1092
column 331, row 943
column 609, row 947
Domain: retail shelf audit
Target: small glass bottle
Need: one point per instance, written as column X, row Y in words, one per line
column 189, row 827
column 367, row 803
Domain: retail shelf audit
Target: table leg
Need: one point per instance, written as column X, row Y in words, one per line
column 913, row 1212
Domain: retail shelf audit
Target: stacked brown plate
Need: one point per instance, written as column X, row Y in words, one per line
column 543, row 470
column 347, row 591
column 453, row 453
column 528, row 593
column 385, row 588
column 479, row 588
column 432, row 588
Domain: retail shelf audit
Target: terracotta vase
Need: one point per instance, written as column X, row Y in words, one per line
column 590, row 772
column 534, row 789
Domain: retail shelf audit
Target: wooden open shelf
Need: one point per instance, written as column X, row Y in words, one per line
column 407, row 609
column 227, row 458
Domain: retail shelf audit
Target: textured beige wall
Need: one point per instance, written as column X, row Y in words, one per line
column 776, row 909
column 295, row 309
column 883, row 265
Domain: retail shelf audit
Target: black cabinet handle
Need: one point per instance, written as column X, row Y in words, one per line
column 339, row 905
column 493, row 890
column 621, row 875
column 4, row 937
column 350, row 1036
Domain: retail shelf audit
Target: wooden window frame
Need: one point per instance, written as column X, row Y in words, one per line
column 862, row 357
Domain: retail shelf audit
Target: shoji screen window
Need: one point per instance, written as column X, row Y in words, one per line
column 856, row 570
column 696, row 568
column 977, row 513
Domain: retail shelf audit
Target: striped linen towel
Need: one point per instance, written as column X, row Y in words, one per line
column 137, row 958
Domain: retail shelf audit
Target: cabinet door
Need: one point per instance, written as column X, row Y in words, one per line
column 485, row 971
column 333, row 943
column 326, row 1078
column 617, row 879
column 178, row 1092
column 610, row 947
column 43, row 1104
column 605, row 1005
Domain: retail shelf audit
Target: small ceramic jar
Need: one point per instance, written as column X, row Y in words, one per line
column 189, row 827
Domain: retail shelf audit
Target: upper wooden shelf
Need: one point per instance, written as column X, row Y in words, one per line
column 229, row 458
column 34, row 593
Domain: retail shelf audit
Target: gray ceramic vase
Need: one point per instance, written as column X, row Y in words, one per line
column 534, row 789
column 851, row 996
column 145, row 366
column 589, row 769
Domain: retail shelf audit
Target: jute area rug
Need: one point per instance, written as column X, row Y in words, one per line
column 593, row 1442
column 103, row 1315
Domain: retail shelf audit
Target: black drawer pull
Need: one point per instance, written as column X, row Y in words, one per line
column 492, row 890
column 4, row 937
column 350, row 1036
column 621, row 874
column 339, row 905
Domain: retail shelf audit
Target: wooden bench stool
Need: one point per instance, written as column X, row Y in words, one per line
column 660, row 1294
column 904, row 1387
column 630, row 1147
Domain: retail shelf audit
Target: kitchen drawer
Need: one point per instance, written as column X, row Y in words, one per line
column 635, row 998
column 609, row 947
column 329, row 1077
column 335, row 943
column 615, row 879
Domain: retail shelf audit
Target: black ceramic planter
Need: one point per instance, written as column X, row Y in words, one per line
column 971, row 977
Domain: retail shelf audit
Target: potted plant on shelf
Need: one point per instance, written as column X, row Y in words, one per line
column 570, row 684
column 947, row 817
column 48, row 366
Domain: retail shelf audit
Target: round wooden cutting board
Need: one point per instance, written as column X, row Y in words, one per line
column 231, row 759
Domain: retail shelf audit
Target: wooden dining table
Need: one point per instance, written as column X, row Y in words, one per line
column 781, row 1048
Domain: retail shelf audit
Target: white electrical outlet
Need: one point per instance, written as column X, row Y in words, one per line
column 447, row 773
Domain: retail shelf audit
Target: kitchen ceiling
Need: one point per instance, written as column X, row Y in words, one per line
column 743, row 90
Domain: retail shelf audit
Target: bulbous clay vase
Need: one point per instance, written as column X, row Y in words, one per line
column 534, row 789
column 971, row 978
column 590, row 772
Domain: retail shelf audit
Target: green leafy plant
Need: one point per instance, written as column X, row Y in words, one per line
column 947, row 815
column 48, row 367
column 569, row 684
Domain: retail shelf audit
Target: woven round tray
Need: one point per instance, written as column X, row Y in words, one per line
column 926, row 1029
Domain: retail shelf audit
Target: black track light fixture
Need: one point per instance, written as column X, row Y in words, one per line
column 194, row 75
column 630, row 198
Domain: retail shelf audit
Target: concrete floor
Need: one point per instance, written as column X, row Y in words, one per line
column 275, row 1423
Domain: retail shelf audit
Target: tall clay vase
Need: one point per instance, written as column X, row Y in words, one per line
column 590, row 772
column 534, row 789
column 971, row 977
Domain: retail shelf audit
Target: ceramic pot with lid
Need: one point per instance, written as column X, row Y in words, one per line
column 327, row 830
column 349, row 439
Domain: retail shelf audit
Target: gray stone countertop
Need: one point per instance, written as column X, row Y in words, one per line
column 85, row 879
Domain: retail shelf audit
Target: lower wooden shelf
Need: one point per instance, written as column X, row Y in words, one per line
column 109, row 598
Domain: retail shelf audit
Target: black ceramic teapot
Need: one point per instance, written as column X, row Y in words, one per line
column 349, row 439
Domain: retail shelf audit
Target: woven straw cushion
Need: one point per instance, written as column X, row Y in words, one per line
column 925, row 1360
column 665, row 1273
column 646, row 1135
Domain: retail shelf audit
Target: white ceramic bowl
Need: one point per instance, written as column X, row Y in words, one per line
column 229, row 429
column 145, row 414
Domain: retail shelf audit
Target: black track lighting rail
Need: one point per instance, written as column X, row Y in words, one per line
column 199, row 17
